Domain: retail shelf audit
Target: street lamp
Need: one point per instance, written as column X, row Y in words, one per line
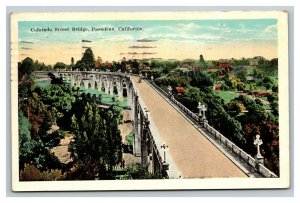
column 164, row 147
column 200, row 109
column 204, row 109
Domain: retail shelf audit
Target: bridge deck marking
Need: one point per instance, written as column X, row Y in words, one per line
column 194, row 155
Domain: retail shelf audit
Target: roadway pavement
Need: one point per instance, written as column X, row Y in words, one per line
column 194, row 155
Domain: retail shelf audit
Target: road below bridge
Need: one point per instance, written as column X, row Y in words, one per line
column 194, row 155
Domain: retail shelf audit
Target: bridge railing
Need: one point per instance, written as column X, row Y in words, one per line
column 238, row 151
column 217, row 136
column 155, row 136
column 188, row 112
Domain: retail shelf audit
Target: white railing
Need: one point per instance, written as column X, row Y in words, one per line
column 217, row 136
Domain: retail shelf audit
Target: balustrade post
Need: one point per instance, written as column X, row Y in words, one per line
column 259, row 159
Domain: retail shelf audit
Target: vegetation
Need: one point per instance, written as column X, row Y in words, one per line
column 96, row 147
column 235, row 110
column 87, row 61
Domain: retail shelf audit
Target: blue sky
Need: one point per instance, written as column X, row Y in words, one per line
column 207, row 34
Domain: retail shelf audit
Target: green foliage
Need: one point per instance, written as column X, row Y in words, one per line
column 87, row 61
column 242, row 62
column 200, row 79
column 234, row 108
column 31, row 173
column 136, row 171
column 59, row 65
column 227, row 96
column 26, row 144
column 173, row 81
column 216, row 114
column 25, row 68
column 241, row 75
column 60, row 97
column 25, row 82
column 268, row 68
column 97, row 136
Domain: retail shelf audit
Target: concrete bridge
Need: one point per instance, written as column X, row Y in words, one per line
column 167, row 136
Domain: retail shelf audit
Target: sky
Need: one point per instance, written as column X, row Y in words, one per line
column 173, row 39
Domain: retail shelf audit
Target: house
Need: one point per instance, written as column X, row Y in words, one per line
column 197, row 68
column 223, row 63
column 180, row 91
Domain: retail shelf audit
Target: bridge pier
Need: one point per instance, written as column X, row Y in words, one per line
column 86, row 84
column 144, row 144
column 120, row 92
column 136, row 129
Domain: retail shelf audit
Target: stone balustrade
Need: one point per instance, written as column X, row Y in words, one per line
column 217, row 136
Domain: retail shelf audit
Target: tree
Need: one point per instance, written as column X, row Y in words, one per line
column 26, row 67
column 72, row 61
column 59, row 65
column 26, row 145
column 242, row 76
column 235, row 107
column 97, row 138
column 87, row 61
column 240, row 86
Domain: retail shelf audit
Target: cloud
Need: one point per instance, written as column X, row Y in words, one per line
column 26, row 42
column 186, row 36
column 175, row 27
column 120, row 38
column 188, row 26
column 271, row 29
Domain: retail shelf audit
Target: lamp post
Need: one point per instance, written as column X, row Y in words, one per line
column 164, row 147
column 257, row 142
column 204, row 109
column 170, row 90
column 200, row 109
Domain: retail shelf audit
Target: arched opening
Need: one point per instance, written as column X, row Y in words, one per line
column 89, row 86
column 124, row 90
column 103, row 86
column 115, row 89
column 81, row 83
column 96, row 85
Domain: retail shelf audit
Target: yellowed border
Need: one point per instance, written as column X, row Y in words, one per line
column 210, row 183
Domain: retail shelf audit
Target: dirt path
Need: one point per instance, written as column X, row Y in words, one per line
column 61, row 150
column 194, row 155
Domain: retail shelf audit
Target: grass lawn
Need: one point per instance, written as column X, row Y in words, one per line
column 43, row 83
column 247, row 87
column 227, row 96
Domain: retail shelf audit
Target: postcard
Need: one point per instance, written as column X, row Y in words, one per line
column 149, row 100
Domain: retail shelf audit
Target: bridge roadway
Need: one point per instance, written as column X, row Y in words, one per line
column 194, row 155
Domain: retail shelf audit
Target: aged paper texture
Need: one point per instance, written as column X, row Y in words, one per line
column 149, row 100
